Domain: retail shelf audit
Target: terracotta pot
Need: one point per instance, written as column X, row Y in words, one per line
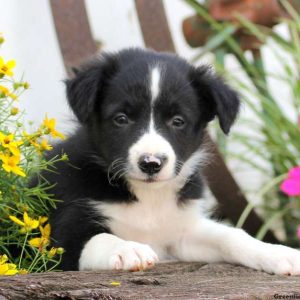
column 196, row 31
column 247, row 41
column 263, row 12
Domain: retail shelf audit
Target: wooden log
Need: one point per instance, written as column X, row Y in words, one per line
column 164, row 281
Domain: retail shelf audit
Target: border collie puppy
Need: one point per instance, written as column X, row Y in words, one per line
column 131, row 191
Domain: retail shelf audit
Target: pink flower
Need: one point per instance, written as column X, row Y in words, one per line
column 298, row 232
column 291, row 186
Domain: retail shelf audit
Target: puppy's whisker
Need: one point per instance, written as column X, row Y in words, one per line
column 115, row 169
column 117, row 174
column 116, row 161
column 115, row 164
column 123, row 174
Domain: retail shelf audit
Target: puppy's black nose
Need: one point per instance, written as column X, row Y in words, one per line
column 151, row 164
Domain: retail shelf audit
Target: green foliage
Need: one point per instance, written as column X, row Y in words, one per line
column 24, row 231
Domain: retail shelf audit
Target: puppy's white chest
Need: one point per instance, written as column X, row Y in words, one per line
column 155, row 219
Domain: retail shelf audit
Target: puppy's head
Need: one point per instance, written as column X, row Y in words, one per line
column 146, row 112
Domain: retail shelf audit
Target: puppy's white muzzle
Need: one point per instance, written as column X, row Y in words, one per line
column 151, row 157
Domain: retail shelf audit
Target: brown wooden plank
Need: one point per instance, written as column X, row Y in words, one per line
column 154, row 25
column 164, row 281
column 232, row 202
column 73, row 31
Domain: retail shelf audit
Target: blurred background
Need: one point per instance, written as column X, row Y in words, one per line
column 264, row 144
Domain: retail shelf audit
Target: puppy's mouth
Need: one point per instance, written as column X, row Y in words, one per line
column 150, row 179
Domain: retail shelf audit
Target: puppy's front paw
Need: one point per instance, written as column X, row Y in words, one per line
column 281, row 260
column 132, row 256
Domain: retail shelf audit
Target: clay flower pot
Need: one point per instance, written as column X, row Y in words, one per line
column 196, row 31
column 262, row 12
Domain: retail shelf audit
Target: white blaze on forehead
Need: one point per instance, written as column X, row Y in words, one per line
column 155, row 81
column 151, row 142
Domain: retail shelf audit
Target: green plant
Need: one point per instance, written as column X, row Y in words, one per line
column 24, row 232
column 272, row 137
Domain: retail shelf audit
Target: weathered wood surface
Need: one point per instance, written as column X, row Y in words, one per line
column 165, row 281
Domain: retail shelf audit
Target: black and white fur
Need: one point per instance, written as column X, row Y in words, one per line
column 132, row 188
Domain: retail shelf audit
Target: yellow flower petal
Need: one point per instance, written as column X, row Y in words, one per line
column 26, row 217
column 6, row 68
column 19, row 171
column 35, row 242
column 58, row 134
column 6, row 168
column 47, row 230
column 45, row 146
column 7, row 268
column 17, row 221
column 34, row 224
column 12, row 269
column 43, row 220
column 3, row 269
column 50, row 128
column 52, row 252
column 11, row 64
column 3, row 259
column 15, row 151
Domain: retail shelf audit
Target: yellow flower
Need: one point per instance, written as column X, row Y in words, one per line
column 28, row 223
column 7, row 268
column 14, row 111
column 4, row 92
column 50, row 128
column 6, row 139
column 40, row 146
column 8, row 142
column 44, row 240
column 6, row 68
column 52, row 252
column 3, row 259
column 31, row 139
column 10, row 164
column 44, row 146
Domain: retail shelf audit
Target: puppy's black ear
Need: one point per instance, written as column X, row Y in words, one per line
column 216, row 98
column 87, row 87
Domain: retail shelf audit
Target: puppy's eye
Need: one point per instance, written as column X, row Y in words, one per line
column 121, row 120
column 177, row 122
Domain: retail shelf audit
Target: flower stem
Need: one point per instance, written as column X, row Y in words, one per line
column 23, row 248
